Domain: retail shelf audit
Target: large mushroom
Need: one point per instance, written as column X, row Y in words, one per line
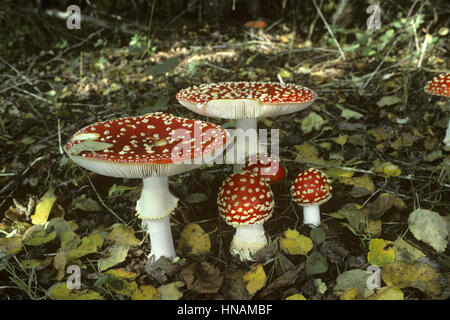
column 151, row 147
column 245, row 201
column 245, row 102
column 440, row 86
column 310, row 189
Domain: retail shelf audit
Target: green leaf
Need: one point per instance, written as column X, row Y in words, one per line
column 316, row 263
column 116, row 255
column 388, row 101
column 312, row 122
column 162, row 68
column 318, row 235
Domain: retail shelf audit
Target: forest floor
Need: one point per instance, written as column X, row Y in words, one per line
column 373, row 130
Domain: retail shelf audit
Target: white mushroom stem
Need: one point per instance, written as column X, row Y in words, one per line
column 154, row 208
column 447, row 134
column 248, row 240
column 246, row 143
column 311, row 215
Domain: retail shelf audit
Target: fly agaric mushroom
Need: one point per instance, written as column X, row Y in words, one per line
column 440, row 86
column 258, row 24
column 269, row 168
column 245, row 201
column 245, row 101
column 310, row 189
column 151, row 147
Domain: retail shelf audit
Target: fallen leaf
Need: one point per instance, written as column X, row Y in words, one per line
column 311, row 122
column 373, row 228
column 388, row 101
column 316, row 263
column 406, row 252
column 37, row 235
column 146, row 292
column 428, row 226
column 60, row 291
column 419, row 275
column 317, row 235
column 351, row 280
column 122, row 273
column 254, row 279
column 36, row 263
column 381, row 252
column 11, row 245
column 194, row 240
column 89, row 244
column 43, row 208
column 363, row 182
column 170, row 291
column 387, row 293
column 123, row 236
column 87, row 204
column 116, row 254
column 386, row 169
column 296, row 296
column 295, row 243
column 381, row 205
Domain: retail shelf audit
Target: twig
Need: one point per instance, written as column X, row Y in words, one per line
column 329, row 30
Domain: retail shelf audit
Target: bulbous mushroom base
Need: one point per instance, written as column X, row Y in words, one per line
column 247, row 241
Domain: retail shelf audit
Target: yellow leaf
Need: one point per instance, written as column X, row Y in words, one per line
column 341, row 140
column 296, row 296
column 349, row 294
column 89, row 244
column 194, row 240
column 43, row 208
column 295, row 243
column 419, row 275
column 387, row 293
column 381, row 252
column 406, row 252
column 36, row 263
column 336, row 173
column 364, row 182
column 122, row 273
column 121, row 286
column 373, row 228
column 386, row 169
column 114, row 256
column 60, row 291
column 11, row 245
column 255, row 279
column 123, row 236
column 146, row 292
column 170, row 291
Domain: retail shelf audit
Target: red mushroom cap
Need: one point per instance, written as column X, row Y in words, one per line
column 311, row 187
column 269, row 168
column 244, row 199
column 258, row 24
column 246, row 100
column 439, row 86
column 153, row 144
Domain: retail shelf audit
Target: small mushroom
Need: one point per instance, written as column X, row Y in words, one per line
column 310, row 189
column 440, row 86
column 245, row 202
column 151, row 147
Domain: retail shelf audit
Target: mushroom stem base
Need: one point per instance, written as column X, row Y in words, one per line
column 248, row 240
column 154, row 208
column 311, row 216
